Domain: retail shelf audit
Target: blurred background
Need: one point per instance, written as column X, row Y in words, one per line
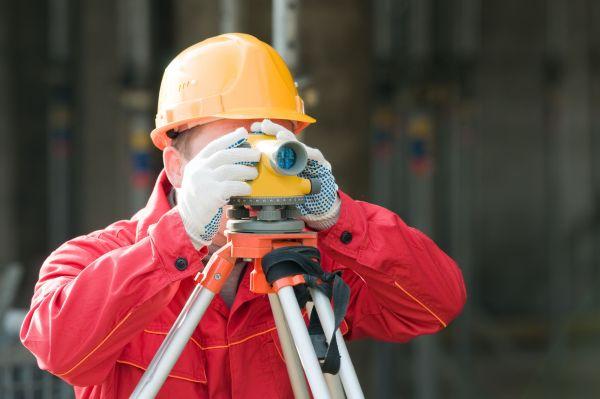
column 476, row 121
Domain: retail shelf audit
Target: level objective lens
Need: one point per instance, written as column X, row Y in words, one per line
column 286, row 158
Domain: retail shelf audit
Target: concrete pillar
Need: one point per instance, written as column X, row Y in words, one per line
column 27, row 34
column 231, row 16
column 100, row 143
column 137, row 100
column 577, row 142
column 195, row 21
column 570, row 167
column 8, row 250
column 59, row 122
column 460, row 198
column 594, row 220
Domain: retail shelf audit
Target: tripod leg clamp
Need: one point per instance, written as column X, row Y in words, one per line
column 217, row 270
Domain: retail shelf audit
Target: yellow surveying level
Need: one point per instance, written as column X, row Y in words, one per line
column 279, row 165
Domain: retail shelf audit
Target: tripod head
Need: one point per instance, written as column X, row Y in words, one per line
column 270, row 208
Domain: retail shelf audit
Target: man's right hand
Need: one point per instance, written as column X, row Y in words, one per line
column 219, row 171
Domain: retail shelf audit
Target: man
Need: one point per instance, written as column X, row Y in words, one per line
column 105, row 301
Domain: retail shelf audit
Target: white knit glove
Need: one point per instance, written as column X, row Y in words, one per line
column 321, row 210
column 215, row 174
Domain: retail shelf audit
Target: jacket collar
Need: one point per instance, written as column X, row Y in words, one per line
column 158, row 204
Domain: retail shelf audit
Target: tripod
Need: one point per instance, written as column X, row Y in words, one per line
column 276, row 259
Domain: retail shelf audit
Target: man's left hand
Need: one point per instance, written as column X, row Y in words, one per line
column 321, row 210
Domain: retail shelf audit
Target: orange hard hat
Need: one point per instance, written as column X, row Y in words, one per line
column 231, row 76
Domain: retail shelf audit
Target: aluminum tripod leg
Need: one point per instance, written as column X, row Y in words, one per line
column 304, row 346
column 347, row 372
column 335, row 386
column 171, row 348
column 292, row 361
column 333, row 380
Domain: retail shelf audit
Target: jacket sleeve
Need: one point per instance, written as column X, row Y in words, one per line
column 402, row 285
column 96, row 292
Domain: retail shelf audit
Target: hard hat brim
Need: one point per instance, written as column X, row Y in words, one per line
column 160, row 139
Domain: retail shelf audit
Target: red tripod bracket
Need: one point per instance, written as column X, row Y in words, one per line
column 252, row 247
column 255, row 246
column 217, row 270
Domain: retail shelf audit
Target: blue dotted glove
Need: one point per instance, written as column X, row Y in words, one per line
column 321, row 210
column 321, row 203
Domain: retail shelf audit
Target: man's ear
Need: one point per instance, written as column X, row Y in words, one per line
column 174, row 163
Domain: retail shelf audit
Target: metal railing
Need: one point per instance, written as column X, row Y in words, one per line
column 21, row 378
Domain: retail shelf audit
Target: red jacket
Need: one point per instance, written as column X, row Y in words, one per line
column 105, row 301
